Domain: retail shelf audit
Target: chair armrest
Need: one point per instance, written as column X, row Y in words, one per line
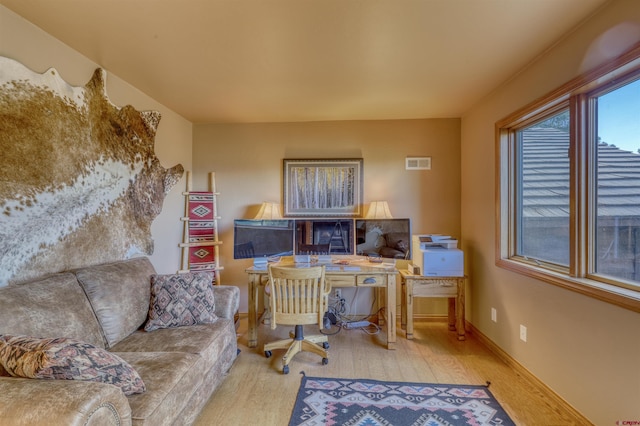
column 227, row 300
column 63, row 402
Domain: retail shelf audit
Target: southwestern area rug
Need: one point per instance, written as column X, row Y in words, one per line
column 363, row 402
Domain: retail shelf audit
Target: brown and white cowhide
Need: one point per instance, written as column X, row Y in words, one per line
column 80, row 183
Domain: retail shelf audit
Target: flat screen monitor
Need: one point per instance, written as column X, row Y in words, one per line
column 324, row 236
column 388, row 238
column 262, row 238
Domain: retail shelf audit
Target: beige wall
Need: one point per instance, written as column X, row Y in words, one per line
column 26, row 43
column 584, row 349
column 247, row 160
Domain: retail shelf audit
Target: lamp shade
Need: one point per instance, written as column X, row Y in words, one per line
column 379, row 210
column 269, row 211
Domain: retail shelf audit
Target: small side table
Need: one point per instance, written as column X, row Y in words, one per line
column 422, row 286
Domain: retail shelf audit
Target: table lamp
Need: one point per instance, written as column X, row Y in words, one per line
column 378, row 210
column 269, row 211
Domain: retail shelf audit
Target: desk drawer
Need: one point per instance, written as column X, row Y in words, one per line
column 341, row 280
column 371, row 280
column 436, row 288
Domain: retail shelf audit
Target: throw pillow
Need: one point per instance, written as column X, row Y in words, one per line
column 180, row 300
column 66, row 359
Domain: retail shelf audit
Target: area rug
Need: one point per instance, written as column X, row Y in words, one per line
column 363, row 402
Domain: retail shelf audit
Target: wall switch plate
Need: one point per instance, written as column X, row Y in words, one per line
column 494, row 315
column 523, row 333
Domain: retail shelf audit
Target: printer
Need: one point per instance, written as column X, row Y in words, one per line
column 436, row 255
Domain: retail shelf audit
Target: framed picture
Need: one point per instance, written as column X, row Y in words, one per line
column 322, row 187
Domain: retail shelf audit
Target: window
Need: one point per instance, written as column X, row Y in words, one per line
column 569, row 185
column 617, row 248
column 542, row 199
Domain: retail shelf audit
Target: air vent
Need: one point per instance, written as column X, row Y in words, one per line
column 418, row 163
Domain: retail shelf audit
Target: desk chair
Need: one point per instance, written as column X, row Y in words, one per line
column 299, row 296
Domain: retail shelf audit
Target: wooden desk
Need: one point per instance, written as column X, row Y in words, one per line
column 359, row 273
column 420, row 286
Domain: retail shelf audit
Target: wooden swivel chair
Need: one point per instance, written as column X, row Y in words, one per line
column 299, row 296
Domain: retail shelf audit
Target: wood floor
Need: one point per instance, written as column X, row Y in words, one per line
column 256, row 392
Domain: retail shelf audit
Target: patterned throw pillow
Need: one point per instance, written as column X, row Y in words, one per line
column 66, row 359
column 180, row 300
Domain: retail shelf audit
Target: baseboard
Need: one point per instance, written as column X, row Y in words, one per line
column 429, row 318
column 526, row 374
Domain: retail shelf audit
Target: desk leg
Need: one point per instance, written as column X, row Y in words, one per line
column 403, row 303
column 409, row 307
column 460, row 310
column 253, row 308
column 391, row 312
column 379, row 297
column 451, row 312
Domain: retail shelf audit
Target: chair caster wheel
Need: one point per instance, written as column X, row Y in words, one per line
column 325, row 361
column 267, row 354
column 285, row 369
column 325, row 345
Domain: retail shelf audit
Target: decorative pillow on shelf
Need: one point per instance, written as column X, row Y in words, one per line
column 66, row 359
column 181, row 299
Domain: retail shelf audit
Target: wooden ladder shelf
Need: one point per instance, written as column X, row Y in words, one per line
column 200, row 244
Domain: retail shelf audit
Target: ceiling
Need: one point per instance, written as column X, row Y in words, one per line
column 310, row 60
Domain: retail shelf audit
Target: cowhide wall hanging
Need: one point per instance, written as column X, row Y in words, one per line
column 79, row 180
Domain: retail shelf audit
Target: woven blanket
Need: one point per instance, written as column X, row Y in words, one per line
column 202, row 230
column 362, row 402
column 201, row 217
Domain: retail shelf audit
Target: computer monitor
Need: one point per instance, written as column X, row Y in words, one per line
column 324, row 236
column 388, row 238
column 262, row 238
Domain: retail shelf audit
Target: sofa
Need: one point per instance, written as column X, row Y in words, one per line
column 159, row 377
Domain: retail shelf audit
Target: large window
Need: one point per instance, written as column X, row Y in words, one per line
column 542, row 199
column 617, row 248
column 569, row 185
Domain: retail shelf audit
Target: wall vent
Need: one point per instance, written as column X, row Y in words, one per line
column 418, row 163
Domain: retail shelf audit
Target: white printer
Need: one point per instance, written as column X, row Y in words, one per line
column 436, row 256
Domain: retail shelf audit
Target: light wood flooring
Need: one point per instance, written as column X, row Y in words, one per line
column 256, row 392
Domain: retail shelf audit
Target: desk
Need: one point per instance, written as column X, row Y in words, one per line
column 420, row 286
column 358, row 273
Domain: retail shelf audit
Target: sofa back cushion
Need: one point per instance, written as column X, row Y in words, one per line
column 54, row 306
column 119, row 294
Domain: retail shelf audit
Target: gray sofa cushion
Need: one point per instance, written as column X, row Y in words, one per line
column 207, row 340
column 171, row 378
column 227, row 300
column 119, row 294
column 54, row 306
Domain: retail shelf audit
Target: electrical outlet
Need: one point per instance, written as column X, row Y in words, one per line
column 494, row 315
column 337, row 293
column 523, row 333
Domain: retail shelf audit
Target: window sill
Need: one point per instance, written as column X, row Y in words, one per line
column 625, row 298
